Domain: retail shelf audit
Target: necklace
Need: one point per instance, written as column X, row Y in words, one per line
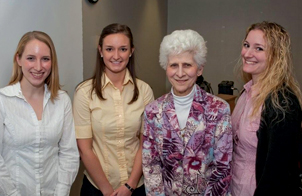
column 183, row 132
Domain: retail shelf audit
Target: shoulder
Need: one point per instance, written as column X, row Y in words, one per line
column 211, row 102
column 145, row 91
column 141, row 85
column 156, row 105
column 288, row 112
column 287, row 100
column 10, row 90
column 85, row 85
column 84, row 88
column 62, row 95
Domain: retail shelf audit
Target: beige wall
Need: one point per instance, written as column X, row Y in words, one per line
column 223, row 23
column 148, row 22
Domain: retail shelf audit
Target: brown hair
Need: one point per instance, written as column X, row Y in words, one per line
column 100, row 65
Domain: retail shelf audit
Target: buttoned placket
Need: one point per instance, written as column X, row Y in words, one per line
column 39, row 143
column 119, row 112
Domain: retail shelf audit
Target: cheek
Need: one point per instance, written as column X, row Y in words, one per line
column 47, row 66
column 193, row 73
column 169, row 72
column 242, row 52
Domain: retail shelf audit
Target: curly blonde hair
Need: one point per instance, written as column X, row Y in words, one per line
column 278, row 76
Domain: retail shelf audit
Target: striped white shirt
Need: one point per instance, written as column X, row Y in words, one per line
column 36, row 157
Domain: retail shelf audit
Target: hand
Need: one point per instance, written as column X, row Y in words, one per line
column 122, row 191
column 108, row 191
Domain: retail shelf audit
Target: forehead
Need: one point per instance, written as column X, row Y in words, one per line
column 116, row 39
column 256, row 36
column 185, row 57
column 35, row 45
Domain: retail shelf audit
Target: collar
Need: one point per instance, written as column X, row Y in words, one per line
column 127, row 79
column 199, row 95
column 248, row 86
column 15, row 91
column 251, row 89
column 184, row 100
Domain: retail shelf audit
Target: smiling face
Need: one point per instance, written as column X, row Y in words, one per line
column 182, row 72
column 35, row 63
column 115, row 52
column 253, row 54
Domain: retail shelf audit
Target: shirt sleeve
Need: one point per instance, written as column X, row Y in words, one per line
column 223, row 147
column 148, row 98
column 68, row 153
column 148, row 95
column 151, row 162
column 7, row 186
column 82, row 113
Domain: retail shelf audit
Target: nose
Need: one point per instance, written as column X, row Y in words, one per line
column 116, row 55
column 38, row 66
column 247, row 52
column 180, row 71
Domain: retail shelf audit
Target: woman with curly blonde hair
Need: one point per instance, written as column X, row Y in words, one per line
column 267, row 118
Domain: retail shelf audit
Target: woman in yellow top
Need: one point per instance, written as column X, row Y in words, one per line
column 108, row 112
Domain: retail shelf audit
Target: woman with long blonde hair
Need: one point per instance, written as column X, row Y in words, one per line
column 267, row 118
column 38, row 150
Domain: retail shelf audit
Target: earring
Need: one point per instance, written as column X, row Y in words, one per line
column 130, row 55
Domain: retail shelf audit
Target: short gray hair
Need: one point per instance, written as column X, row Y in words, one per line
column 181, row 41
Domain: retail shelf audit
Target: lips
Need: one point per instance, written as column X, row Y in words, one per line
column 37, row 75
column 180, row 81
column 116, row 62
column 249, row 62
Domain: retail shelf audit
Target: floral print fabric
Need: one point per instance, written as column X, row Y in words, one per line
column 193, row 161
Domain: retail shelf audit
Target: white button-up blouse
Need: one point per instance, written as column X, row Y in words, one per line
column 36, row 157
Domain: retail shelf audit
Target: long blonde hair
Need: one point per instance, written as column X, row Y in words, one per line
column 278, row 77
column 52, row 80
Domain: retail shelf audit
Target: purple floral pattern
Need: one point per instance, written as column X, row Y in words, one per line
column 195, row 162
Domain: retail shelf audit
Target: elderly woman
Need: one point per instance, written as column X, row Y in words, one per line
column 187, row 146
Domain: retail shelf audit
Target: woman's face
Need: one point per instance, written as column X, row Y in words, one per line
column 116, row 51
column 35, row 63
column 253, row 54
column 182, row 72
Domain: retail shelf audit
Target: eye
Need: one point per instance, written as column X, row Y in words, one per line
column 187, row 65
column 108, row 49
column 124, row 49
column 46, row 59
column 30, row 58
column 246, row 45
column 173, row 65
column 259, row 49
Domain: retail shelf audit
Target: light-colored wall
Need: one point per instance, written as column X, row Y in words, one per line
column 61, row 20
column 148, row 22
column 223, row 25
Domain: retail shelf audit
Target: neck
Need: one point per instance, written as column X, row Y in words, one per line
column 30, row 91
column 117, row 78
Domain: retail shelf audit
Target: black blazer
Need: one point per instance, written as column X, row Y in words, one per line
column 277, row 171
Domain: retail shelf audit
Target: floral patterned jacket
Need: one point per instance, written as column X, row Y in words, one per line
column 196, row 162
